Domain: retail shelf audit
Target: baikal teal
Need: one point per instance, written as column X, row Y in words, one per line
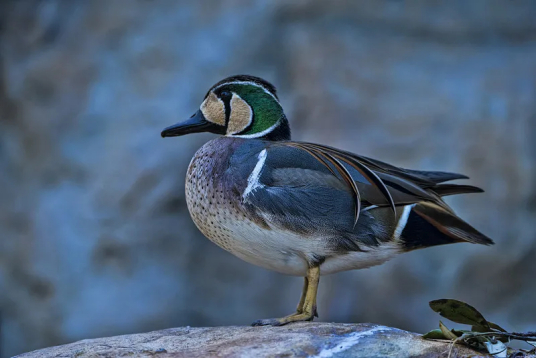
column 301, row 208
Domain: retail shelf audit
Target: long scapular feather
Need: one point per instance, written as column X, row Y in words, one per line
column 348, row 178
column 437, row 177
column 367, row 173
column 314, row 155
column 381, row 167
column 343, row 172
column 423, row 177
column 453, row 189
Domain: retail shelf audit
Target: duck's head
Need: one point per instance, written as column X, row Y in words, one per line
column 238, row 106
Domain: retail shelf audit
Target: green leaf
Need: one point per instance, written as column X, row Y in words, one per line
column 480, row 329
column 460, row 312
column 446, row 332
column 434, row 334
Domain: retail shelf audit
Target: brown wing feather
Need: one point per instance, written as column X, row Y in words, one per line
column 348, row 178
column 453, row 189
column 382, row 167
column 322, row 157
column 367, row 173
column 398, row 186
column 422, row 178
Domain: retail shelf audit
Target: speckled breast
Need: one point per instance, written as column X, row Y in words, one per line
column 211, row 206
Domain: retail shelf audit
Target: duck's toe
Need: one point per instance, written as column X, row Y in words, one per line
column 267, row 322
column 296, row 317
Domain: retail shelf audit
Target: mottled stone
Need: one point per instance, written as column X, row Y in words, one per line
column 318, row 340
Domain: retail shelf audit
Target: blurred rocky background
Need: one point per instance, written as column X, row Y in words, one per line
column 95, row 237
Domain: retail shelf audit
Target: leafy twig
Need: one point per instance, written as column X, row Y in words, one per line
column 483, row 334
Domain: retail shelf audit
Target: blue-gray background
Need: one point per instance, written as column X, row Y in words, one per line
column 95, row 237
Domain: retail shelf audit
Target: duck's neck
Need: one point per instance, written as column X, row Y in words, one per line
column 281, row 132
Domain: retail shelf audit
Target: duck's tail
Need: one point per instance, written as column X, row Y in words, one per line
column 428, row 224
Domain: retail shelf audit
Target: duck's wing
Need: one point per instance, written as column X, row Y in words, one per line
column 290, row 188
column 307, row 186
column 379, row 183
column 395, row 178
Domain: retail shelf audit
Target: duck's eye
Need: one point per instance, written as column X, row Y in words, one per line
column 225, row 95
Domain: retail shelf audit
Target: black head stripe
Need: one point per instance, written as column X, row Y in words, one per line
column 246, row 78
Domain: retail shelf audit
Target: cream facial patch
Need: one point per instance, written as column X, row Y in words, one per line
column 213, row 109
column 241, row 115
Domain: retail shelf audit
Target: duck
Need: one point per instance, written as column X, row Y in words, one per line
column 306, row 209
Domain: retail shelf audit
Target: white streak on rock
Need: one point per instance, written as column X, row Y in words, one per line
column 349, row 341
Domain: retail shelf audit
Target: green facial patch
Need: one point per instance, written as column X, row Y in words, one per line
column 266, row 109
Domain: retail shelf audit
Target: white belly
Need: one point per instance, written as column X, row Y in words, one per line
column 284, row 251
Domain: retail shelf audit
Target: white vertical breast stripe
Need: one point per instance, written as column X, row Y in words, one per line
column 253, row 179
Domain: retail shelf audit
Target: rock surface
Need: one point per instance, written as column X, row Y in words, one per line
column 321, row 340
